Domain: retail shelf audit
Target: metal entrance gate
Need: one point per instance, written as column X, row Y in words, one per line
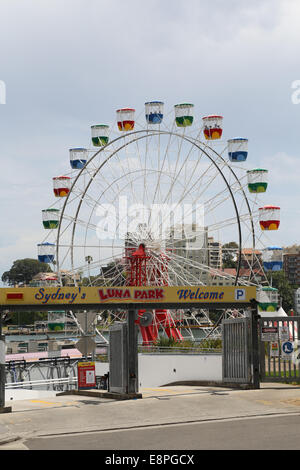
column 236, row 339
column 118, row 358
column 279, row 349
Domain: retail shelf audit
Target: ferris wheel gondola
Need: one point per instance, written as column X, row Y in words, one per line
column 213, row 127
column 100, row 134
column 237, row 149
column 46, row 252
column 184, row 114
column 78, row 158
column 61, row 185
column 154, row 112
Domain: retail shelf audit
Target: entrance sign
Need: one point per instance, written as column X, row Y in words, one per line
column 126, row 296
column 86, row 375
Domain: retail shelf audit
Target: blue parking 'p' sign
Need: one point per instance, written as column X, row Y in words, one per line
column 240, row 294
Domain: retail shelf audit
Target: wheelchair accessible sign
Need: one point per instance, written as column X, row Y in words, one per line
column 290, row 351
column 287, row 350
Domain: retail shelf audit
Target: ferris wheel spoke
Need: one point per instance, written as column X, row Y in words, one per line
column 91, row 246
column 225, row 223
column 104, row 180
column 195, row 265
column 235, row 187
column 163, row 275
column 184, row 278
column 157, row 165
column 80, row 222
column 93, row 265
column 177, row 173
column 217, row 203
column 94, row 203
column 198, row 183
column 136, row 174
column 161, row 166
column 193, row 210
column 184, row 263
column 213, row 271
column 112, row 277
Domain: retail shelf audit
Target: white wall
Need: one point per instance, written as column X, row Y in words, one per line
column 156, row 370
column 102, row 368
column 21, row 394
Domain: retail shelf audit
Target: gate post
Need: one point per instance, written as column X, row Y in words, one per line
column 132, row 345
column 255, row 344
column 3, row 408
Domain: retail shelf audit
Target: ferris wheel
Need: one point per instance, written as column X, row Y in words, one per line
column 155, row 201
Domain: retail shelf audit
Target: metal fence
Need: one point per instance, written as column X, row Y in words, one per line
column 279, row 349
column 49, row 374
column 196, row 349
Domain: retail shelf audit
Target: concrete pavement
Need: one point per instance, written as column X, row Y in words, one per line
column 173, row 405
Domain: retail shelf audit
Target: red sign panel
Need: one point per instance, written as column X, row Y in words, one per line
column 15, row 296
column 86, row 375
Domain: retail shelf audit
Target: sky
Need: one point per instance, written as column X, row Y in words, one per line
column 69, row 64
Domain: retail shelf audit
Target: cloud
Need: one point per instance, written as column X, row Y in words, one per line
column 284, row 170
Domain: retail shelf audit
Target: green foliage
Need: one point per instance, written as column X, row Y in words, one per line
column 23, row 270
column 27, row 318
column 211, row 344
column 102, row 358
column 229, row 255
column 279, row 280
column 165, row 342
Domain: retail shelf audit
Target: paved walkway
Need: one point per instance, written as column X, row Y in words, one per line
column 73, row 414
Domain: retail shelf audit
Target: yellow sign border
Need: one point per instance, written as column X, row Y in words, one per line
column 105, row 296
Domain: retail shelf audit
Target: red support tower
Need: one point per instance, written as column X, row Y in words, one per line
column 144, row 270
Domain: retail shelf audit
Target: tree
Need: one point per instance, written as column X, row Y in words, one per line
column 26, row 318
column 229, row 255
column 23, row 270
column 279, row 280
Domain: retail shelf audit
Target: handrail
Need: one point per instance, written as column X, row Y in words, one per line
column 171, row 349
column 30, row 383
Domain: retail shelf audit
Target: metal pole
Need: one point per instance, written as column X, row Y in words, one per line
column 85, row 336
column 133, row 382
column 255, row 344
column 3, row 409
column 2, row 366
